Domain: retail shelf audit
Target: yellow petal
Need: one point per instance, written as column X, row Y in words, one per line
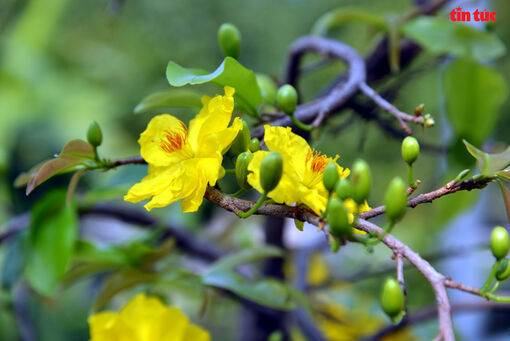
column 196, row 333
column 152, row 136
column 214, row 117
column 107, row 326
column 155, row 182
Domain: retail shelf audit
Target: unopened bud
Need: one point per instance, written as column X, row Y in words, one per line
column 241, row 142
column 343, row 189
column 503, row 270
column 410, row 149
column 229, row 39
column 242, row 162
column 395, row 199
column 499, row 242
column 361, row 181
column 286, row 98
column 338, row 218
column 271, row 170
column 418, row 110
column 330, row 176
column 254, row 145
column 94, row 135
column 392, row 297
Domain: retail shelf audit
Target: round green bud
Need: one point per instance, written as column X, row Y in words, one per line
column 242, row 162
column 395, row 199
column 229, row 39
column 410, row 149
column 286, row 98
column 392, row 297
column 338, row 218
column 343, row 189
column 242, row 141
column 330, row 176
column 503, row 270
column 94, row 135
column 271, row 170
column 254, row 145
column 267, row 88
column 361, row 181
column 499, row 242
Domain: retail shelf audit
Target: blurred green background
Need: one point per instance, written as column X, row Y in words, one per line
column 65, row 63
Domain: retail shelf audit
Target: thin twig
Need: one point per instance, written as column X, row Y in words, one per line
column 400, row 271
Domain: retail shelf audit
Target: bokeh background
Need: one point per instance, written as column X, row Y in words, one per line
column 65, row 63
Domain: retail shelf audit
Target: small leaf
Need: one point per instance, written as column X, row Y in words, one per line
column 506, row 198
column 439, row 35
column 474, row 95
column 170, row 98
column 299, row 224
column 342, row 15
column 51, row 241
column 230, row 72
column 74, row 154
column 268, row 292
column 490, row 164
column 245, row 256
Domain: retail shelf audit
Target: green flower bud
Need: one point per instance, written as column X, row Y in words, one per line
column 254, row 145
column 361, row 181
column 410, row 149
column 392, row 297
column 503, row 270
column 229, row 39
column 330, row 176
column 395, row 199
column 242, row 162
column 241, row 142
column 271, row 170
column 499, row 242
column 267, row 88
column 343, row 189
column 338, row 218
column 94, row 135
column 286, row 98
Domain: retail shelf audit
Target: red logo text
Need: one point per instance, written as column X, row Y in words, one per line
column 457, row 14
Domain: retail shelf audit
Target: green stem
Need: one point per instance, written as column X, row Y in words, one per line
column 495, row 287
column 230, row 171
column 499, row 299
column 237, row 194
column 300, row 124
column 488, row 283
column 410, row 175
column 254, row 208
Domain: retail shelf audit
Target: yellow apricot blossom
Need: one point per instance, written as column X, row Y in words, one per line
column 183, row 163
column 145, row 319
column 301, row 181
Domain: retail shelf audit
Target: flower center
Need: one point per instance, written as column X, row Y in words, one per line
column 174, row 139
column 316, row 160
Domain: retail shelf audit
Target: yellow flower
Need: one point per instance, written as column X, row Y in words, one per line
column 145, row 319
column 182, row 163
column 303, row 167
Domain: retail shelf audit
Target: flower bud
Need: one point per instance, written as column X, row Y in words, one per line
column 395, row 199
column 254, row 145
column 267, row 88
column 241, row 142
column 286, row 98
column 229, row 39
column 428, row 121
column 410, row 149
column 499, row 242
column 330, row 176
column 503, row 270
column 392, row 297
column 242, row 162
column 94, row 135
column 271, row 170
column 343, row 189
column 418, row 110
column 361, row 181
column 338, row 218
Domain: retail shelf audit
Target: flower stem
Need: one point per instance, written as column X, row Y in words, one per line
column 487, row 284
column 410, row 175
column 238, row 193
column 254, row 208
column 300, row 124
column 495, row 298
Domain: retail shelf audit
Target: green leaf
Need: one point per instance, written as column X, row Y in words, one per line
column 299, row 224
column 119, row 281
column 342, row 15
column 268, row 292
column 474, row 94
column 230, row 72
column 170, row 98
column 72, row 157
column 506, row 198
column 490, row 164
column 51, row 241
column 439, row 35
column 245, row 256
column 14, row 261
column 504, row 174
